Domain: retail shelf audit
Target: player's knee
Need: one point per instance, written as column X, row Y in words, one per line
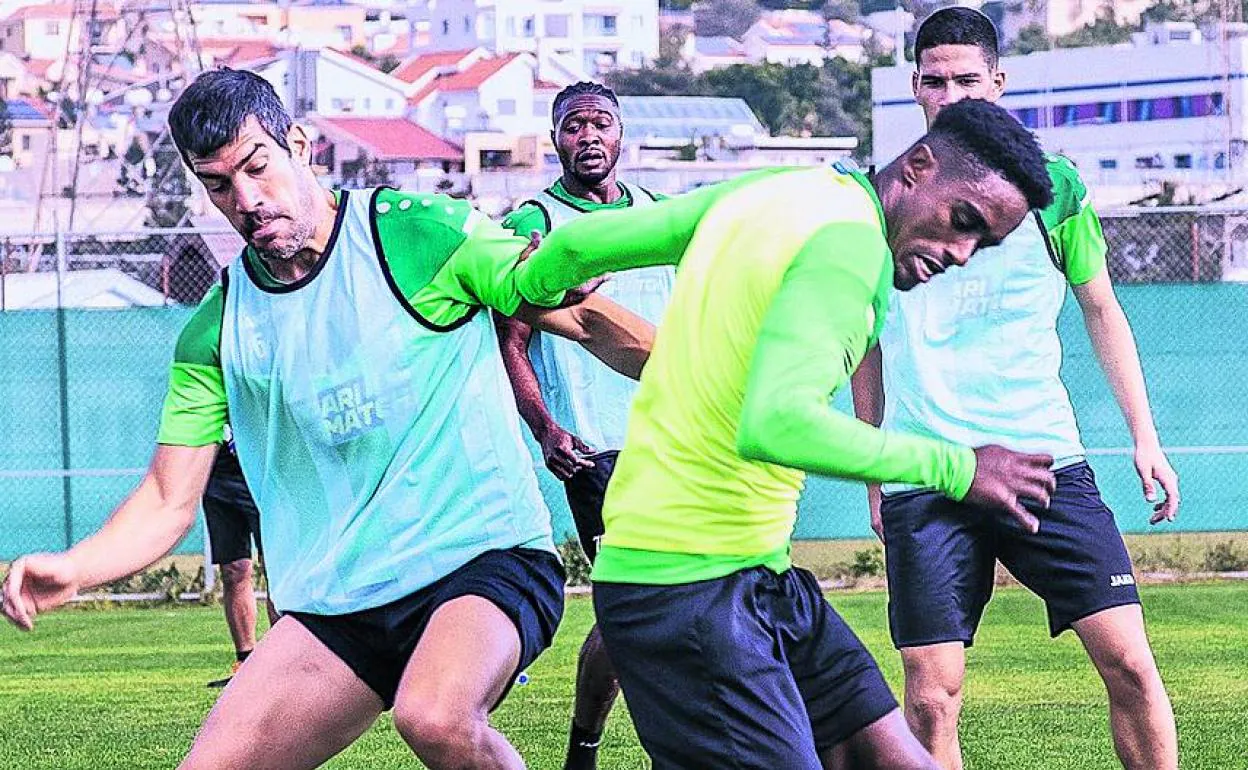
column 440, row 735
column 236, row 574
column 1130, row 673
column 934, row 706
column 594, row 665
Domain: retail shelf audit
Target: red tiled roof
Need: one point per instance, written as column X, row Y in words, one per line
column 414, row 68
column 545, row 85
column 468, row 80
column 394, row 139
column 38, row 67
column 238, row 51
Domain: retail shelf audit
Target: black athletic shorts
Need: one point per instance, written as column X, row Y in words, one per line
column 231, row 514
column 524, row 583
column 941, row 560
column 752, row 670
column 586, row 490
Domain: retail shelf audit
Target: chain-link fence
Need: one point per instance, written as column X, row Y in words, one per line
column 89, row 321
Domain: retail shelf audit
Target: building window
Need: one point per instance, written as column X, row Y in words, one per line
column 506, row 106
column 368, row 103
column 557, row 25
column 1149, row 161
column 495, row 158
column 639, row 22
column 1183, row 161
column 600, row 25
column 511, row 26
column 1219, row 160
column 529, row 27
column 446, row 26
column 52, row 28
column 1028, row 116
column 344, row 33
column 541, row 108
column 485, row 25
column 26, row 143
column 1108, row 164
column 638, row 58
column 389, row 104
column 467, row 26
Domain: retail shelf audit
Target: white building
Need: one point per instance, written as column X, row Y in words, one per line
column 1124, row 114
column 587, row 36
column 332, row 84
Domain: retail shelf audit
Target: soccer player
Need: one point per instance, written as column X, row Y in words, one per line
column 730, row 657
column 974, row 358
column 575, row 406
column 233, row 524
column 407, row 544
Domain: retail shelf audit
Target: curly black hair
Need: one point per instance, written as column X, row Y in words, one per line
column 993, row 140
column 583, row 88
column 212, row 110
column 957, row 25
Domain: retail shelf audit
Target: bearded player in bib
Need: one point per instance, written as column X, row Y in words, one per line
column 408, row 547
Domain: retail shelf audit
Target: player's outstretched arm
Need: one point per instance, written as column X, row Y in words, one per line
column 1111, row 337
column 619, row 338
column 144, row 528
column 611, row 241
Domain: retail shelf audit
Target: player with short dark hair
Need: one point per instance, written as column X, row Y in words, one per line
column 407, row 544
column 576, row 407
column 729, row 656
column 975, row 358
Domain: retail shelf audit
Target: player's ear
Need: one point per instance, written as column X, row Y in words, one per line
column 919, row 165
column 300, row 144
column 998, row 84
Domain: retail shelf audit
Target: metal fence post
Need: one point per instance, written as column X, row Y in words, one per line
column 62, row 268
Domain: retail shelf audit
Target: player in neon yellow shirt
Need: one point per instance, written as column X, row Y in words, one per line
column 728, row 656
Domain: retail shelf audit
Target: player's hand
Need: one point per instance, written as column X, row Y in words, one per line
column 563, row 452
column 874, row 500
column 574, row 296
column 1153, row 467
column 1003, row 479
column 35, row 584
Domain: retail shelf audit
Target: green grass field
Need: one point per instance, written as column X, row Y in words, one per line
column 124, row 688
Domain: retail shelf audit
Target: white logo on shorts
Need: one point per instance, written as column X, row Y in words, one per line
column 1118, row 581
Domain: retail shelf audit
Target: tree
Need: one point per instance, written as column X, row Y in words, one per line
column 168, row 189
column 845, row 10
column 1104, row 31
column 130, row 179
column 6, row 129
column 673, row 80
column 1031, row 38
column 725, row 18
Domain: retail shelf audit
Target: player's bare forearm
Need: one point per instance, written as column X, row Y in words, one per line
column 619, row 338
column 867, row 384
column 513, row 340
column 1115, row 347
column 151, row 521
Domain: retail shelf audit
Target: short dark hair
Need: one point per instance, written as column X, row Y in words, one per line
column 958, row 25
column 583, row 88
column 210, row 112
column 993, row 139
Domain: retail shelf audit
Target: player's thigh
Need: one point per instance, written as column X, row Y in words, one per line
column 939, row 557
column 1116, row 640
column 293, row 705
column 703, row 675
column 1077, row 563
column 487, row 621
column 885, row 744
column 840, row 683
